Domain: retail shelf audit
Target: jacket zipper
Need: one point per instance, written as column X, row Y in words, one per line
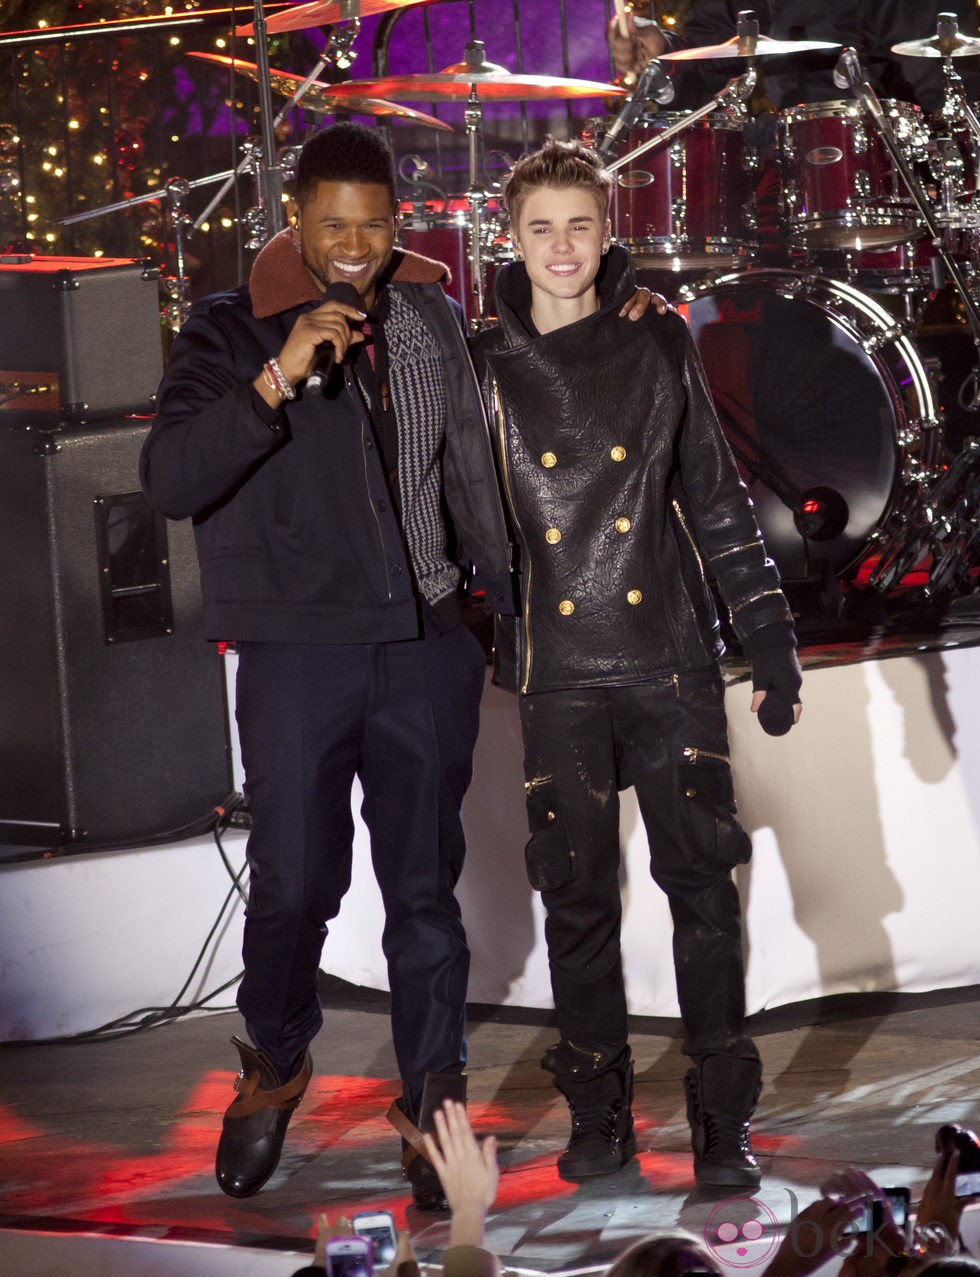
column 692, row 755
column 536, row 783
column 687, row 533
column 526, row 589
column 595, row 1056
column 737, row 549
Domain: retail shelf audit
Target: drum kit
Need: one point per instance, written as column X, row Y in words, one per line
column 878, row 208
column 811, row 338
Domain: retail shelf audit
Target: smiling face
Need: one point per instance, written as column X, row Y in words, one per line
column 561, row 232
column 347, row 234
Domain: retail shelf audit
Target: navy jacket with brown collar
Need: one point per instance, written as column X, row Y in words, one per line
column 622, row 492
column 296, row 535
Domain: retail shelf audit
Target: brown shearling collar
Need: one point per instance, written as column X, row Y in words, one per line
column 279, row 281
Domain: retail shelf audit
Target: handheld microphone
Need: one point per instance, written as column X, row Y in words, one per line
column 316, row 382
column 653, row 83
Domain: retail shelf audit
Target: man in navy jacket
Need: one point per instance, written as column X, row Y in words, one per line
column 336, row 528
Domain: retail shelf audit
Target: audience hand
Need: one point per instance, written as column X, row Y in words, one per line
column 937, row 1220
column 467, row 1170
column 814, row 1237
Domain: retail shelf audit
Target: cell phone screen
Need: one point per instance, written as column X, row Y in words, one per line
column 968, row 1185
column 899, row 1203
column 352, row 1264
column 382, row 1241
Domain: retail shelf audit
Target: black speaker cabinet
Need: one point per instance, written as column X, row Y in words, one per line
column 80, row 338
column 113, row 725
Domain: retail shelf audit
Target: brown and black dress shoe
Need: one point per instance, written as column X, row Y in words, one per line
column 427, row 1191
column 255, row 1122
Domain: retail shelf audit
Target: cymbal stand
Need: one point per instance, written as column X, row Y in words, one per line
column 736, row 92
column 476, row 197
column 337, row 53
column 176, row 191
column 269, row 173
column 956, row 105
column 954, row 96
column 849, row 66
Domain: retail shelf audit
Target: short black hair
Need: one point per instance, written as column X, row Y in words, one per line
column 345, row 153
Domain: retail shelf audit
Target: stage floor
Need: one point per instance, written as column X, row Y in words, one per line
column 118, row 1136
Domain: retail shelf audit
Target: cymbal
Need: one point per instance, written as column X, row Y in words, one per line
column 764, row 48
column 496, row 85
column 321, row 99
column 322, row 13
column 957, row 46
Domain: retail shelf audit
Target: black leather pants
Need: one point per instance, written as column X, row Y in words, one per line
column 669, row 739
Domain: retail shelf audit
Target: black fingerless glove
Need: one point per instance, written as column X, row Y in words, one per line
column 775, row 671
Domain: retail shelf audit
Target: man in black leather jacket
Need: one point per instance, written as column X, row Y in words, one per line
column 622, row 494
column 335, row 529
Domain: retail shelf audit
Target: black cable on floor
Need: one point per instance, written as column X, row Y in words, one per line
column 144, row 1018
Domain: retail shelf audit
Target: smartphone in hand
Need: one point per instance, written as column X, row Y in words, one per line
column 953, row 1137
column 379, row 1228
column 349, row 1257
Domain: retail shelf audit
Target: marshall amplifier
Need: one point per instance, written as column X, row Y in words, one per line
column 80, row 338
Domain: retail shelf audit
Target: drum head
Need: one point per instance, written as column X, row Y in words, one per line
column 804, row 407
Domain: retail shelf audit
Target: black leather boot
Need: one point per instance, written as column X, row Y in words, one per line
column 427, row 1191
column 722, row 1093
column 599, row 1089
column 255, row 1122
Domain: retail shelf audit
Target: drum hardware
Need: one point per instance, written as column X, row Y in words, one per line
column 654, row 85
column 938, row 527
column 645, row 200
column 322, row 13
column 492, row 81
column 947, row 43
column 885, row 337
column 317, row 96
column 734, row 95
column 841, row 187
column 175, row 193
column 843, row 440
column 748, row 43
column 849, row 71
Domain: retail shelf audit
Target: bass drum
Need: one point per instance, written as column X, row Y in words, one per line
column 829, row 410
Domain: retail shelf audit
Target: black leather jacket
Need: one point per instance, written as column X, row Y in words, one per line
column 621, row 489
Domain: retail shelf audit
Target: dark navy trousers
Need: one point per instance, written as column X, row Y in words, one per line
column 403, row 718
